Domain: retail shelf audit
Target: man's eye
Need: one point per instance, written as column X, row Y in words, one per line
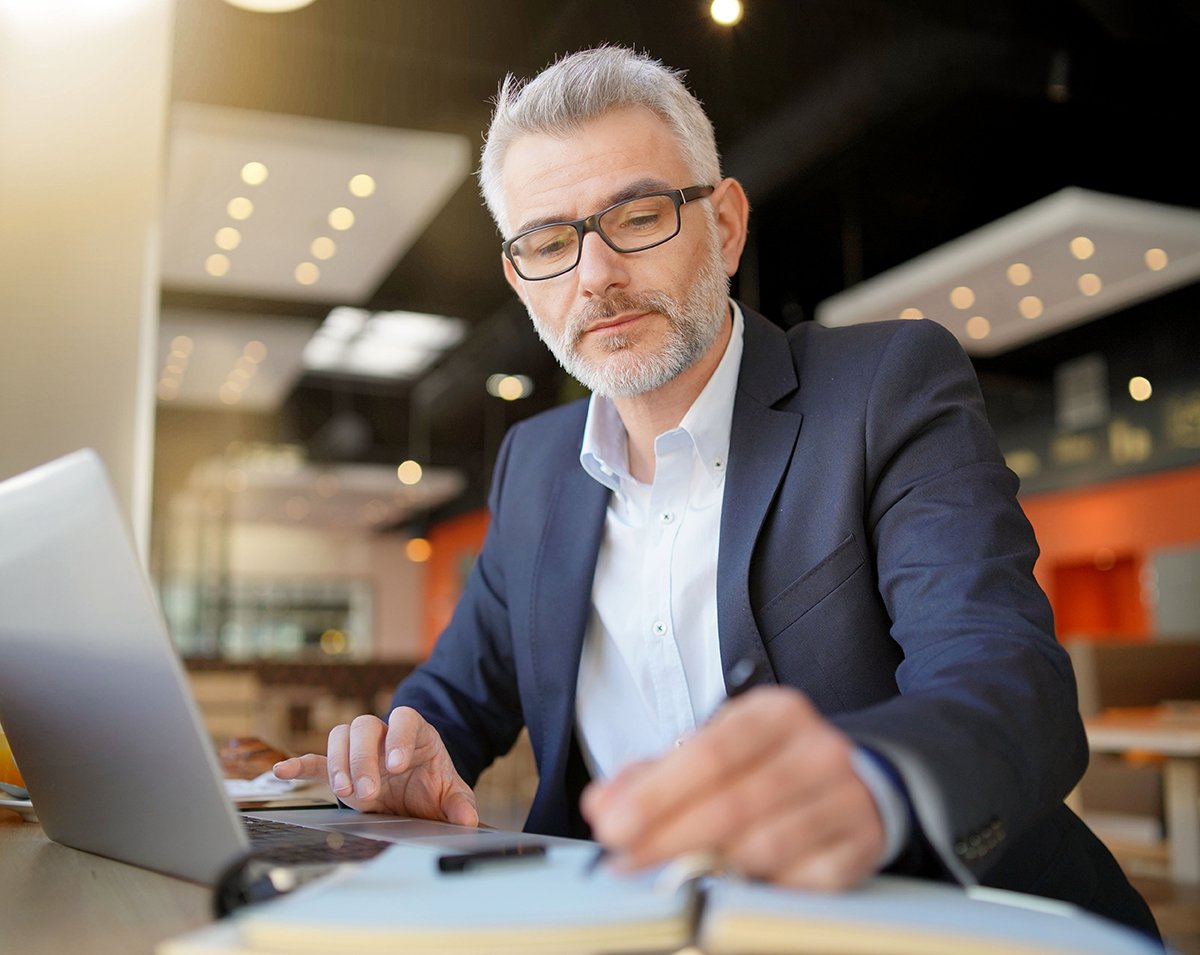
column 552, row 248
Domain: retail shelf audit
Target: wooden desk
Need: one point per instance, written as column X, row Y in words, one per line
column 1173, row 733
column 55, row 900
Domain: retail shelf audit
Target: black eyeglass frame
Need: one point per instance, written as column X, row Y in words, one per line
column 582, row 227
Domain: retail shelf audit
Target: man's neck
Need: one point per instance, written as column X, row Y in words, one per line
column 648, row 415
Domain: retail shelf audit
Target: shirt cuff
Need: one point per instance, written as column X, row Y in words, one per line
column 890, row 800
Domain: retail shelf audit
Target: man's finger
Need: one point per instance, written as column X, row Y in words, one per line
column 309, row 766
column 366, row 744
column 404, row 727
column 337, row 757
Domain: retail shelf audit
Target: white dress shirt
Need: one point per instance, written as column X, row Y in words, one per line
column 650, row 672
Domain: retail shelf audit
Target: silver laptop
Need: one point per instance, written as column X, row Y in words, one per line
column 96, row 705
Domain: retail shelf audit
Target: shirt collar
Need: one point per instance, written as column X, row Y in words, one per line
column 604, row 455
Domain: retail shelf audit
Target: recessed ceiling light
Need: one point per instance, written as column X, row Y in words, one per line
column 726, row 12
column 254, row 174
column 1019, row 273
column 978, row 326
column 322, row 247
column 1139, row 388
column 341, row 218
column 1082, row 247
column 228, row 238
column 1155, row 259
column 216, row 264
column 911, row 313
column 409, row 472
column 1030, row 306
column 1090, row 284
column 962, row 297
column 307, row 273
column 362, row 185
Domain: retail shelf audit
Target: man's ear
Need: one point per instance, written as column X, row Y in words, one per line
column 510, row 276
column 733, row 217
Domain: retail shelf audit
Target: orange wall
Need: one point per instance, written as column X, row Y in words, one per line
column 455, row 544
column 1096, row 542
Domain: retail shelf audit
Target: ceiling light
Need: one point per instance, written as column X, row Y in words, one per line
column 362, row 185
column 216, row 264
column 978, row 326
column 322, row 247
column 1019, row 273
column 509, row 387
column 269, row 6
column 239, row 207
column 409, row 472
column 227, row 238
column 911, row 313
column 254, row 174
column 307, row 273
column 962, row 297
column 1050, row 238
column 1139, row 388
column 726, row 12
column 341, row 218
column 383, row 345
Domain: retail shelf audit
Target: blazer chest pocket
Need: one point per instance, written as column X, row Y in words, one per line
column 809, row 589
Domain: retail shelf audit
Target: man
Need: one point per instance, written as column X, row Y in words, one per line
column 828, row 506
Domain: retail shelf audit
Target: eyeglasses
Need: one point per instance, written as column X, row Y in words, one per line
column 632, row 225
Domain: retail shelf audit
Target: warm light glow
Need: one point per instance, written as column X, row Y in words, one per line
column 418, row 550
column 509, row 387
column 228, row 238
column 1090, row 284
column 1019, row 273
column 307, row 273
column 978, row 327
column 255, row 351
column 254, row 174
column 341, row 218
column 1156, row 260
column 230, row 393
column 181, row 343
column 911, row 313
column 239, row 207
column 216, row 264
column 269, row 6
column 962, row 297
column 168, row 389
column 1082, row 247
column 362, row 185
column 333, row 642
column 726, row 12
column 1030, row 306
column 409, row 472
column 1139, row 388
column 322, row 247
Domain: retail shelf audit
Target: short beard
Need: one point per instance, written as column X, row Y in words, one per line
column 693, row 326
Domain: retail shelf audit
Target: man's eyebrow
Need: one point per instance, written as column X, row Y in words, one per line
column 636, row 188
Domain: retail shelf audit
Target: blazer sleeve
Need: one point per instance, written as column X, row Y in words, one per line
column 985, row 731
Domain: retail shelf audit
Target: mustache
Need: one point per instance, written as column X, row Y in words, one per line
column 600, row 310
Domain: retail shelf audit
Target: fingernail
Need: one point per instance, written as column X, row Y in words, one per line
column 365, row 789
column 341, row 783
column 394, row 759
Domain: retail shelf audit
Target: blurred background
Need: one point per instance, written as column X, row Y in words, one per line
column 244, row 255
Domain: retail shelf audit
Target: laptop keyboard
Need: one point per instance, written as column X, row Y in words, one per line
column 289, row 844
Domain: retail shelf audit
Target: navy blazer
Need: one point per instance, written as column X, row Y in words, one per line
column 872, row 554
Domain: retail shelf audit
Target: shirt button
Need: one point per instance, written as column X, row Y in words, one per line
column 666, row 517
column 659, row 628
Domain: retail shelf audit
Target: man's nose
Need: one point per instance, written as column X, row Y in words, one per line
column 600, row 267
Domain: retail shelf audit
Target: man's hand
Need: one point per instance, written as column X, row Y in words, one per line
column 399, row 767
column 767, row 784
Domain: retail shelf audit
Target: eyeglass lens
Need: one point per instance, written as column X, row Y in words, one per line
column 628, row 227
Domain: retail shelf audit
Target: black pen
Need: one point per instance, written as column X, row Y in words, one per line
column 742, row 676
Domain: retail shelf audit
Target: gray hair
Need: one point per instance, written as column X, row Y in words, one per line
column 582, row 87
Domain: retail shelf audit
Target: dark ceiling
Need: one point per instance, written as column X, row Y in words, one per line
column 865, row 131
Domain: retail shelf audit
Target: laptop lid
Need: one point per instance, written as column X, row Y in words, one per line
column 93, row 696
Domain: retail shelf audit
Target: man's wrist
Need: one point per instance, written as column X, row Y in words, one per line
column 891, row 800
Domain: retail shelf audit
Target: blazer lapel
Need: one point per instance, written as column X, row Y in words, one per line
column 761, row 444
column 561, row 599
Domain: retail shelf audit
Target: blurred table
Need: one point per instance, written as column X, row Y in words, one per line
column 55, row 900
column 1173, row 732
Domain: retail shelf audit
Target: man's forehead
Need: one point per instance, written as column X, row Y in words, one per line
column 620, row 154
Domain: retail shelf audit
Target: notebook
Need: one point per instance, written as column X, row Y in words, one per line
column 96, row 705
column 400, row 902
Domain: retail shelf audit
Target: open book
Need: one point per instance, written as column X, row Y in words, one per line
column 400, row 902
